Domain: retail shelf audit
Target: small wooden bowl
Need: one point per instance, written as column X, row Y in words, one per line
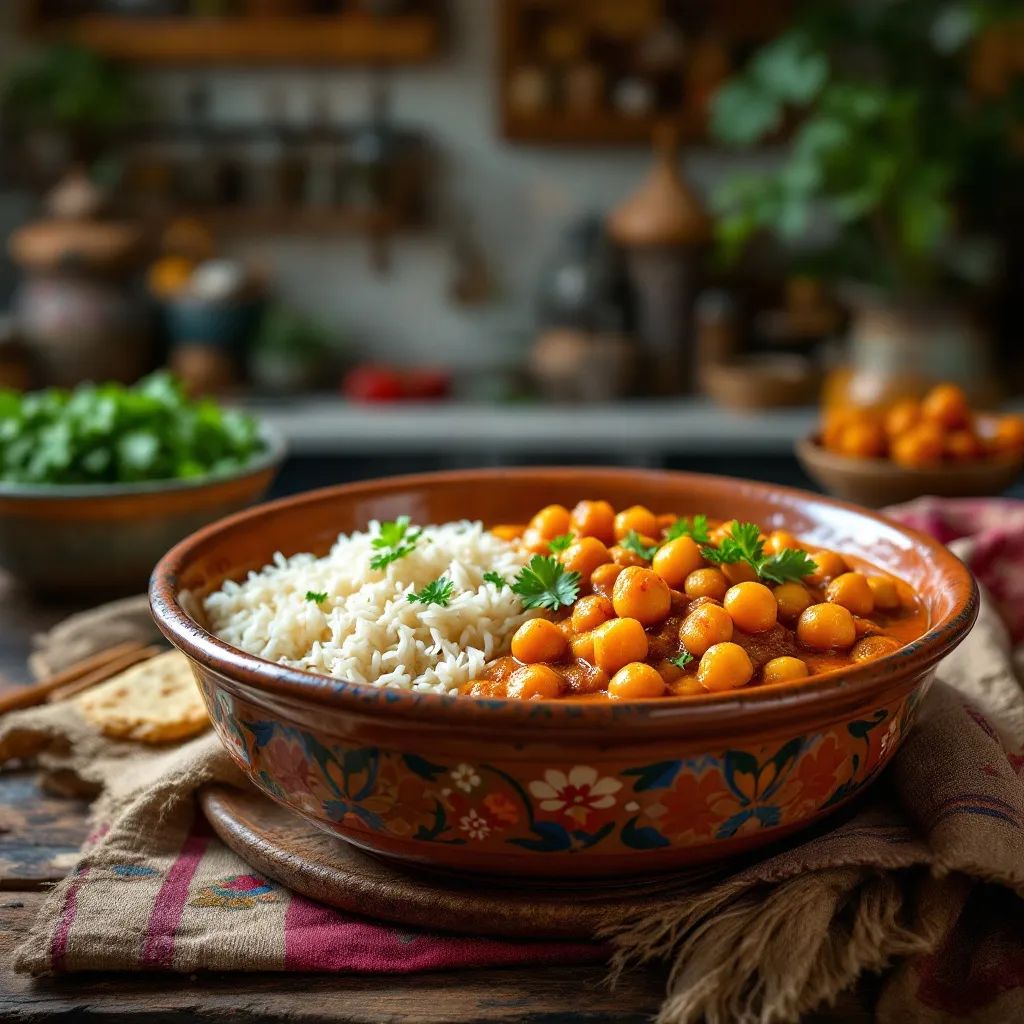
column 560, row 789
column 878, row 482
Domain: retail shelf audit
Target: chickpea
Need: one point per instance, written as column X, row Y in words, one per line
column 589, row 612
column 1009, row 435
column 625, row 556
column 538, row 640
column 535, row 682
column 738, row 572
column 884, row 592
column 641, row 594
column 902, row 417
column 617, row 643
column 784, row 669
column 964, row 446
column 508, row 531
column 852, row 591
column 921, row 446
column 669, row 671
column 826, row 627
column 603, row 578
column 779, row 541
column 687, row 685
column 946, row 404
column 582, row 647
column 535, row 542
column 865, row 627
column 636, row 681
column 863, row 440
column 828, row 564
column 665, row 520
column 704, row 627
column 871, row 647
column 594, row 519
column 584, row 556
column 706, row 583
column 908, row 599
column 674, row 561
column 638, row 518
column 725, row 666
column 792, row 599
column 551, row 521
column 752, row 607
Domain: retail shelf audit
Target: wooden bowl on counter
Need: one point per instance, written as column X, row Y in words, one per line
column 561, row 789
column 104, row 539
column 879, row 482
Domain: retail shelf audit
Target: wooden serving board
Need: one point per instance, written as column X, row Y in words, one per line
column 292, row 851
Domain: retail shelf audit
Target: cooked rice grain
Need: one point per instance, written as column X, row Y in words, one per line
column 367, row 631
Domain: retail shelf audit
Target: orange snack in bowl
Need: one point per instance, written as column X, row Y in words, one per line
column 964, row 446
column 864, row 439
column 923, row 445
column 1009, row 435
column 901, row 417
column 946, row 405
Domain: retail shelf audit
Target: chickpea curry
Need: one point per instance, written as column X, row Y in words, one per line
column 640, row 605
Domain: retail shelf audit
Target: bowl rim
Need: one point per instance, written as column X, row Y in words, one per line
column 742, row 710
column 810, row 447
column 272, row 455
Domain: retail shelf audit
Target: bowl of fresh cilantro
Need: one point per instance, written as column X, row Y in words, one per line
column 98, row 482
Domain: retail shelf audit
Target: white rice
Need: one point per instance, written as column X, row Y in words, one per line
column 367, row 630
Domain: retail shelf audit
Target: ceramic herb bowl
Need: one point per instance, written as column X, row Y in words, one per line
column 879, row 482
column 505, row 787
column 105, row 538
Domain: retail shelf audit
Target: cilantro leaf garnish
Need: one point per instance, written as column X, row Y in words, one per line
column 545, row 583
column 682, row 659
column 316, row 596
column 743, row 544
column 633, row 542
column 696, row 528
column 496, row 578
column 560, row 543
column 789, row 564
column 394, row 541
column 438, row 591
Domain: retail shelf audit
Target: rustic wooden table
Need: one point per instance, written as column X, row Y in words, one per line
column 39, row 833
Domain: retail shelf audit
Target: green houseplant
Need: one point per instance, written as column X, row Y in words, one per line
column 902, row 145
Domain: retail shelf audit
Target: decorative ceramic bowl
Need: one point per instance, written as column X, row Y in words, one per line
column 106, row 538
column 551, row 788
column 879, row 482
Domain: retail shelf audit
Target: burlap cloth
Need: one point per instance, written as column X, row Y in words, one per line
column 923, row 880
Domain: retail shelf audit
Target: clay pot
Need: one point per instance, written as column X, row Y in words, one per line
column 556, row 788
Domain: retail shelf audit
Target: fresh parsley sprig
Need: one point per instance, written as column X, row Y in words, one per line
column 316, row 596
column 496, row 578
column 560, row 543
column 634, row 542
column 394, row 541
column 682, row 659
column 696, row 528
column 438, row 592
column 743, row 544
column 545, row 583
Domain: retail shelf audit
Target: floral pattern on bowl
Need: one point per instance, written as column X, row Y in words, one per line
column 708, row 802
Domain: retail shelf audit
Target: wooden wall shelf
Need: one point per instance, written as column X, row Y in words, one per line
column 344, row 39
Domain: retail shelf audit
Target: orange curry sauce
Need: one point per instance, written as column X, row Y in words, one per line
column 885, row 616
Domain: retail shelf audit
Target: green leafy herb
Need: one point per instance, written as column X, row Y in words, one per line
column 682, row 659
column 633, row 542
column 108, row 433
column 696, row 528
column 787, row 565
column 437, row 592
column 496, row 578
column 316, row 596
column 395, row 540
column 560, row 543
column 545, row 583
column 744, row 544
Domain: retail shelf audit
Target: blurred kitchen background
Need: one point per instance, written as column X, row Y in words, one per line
column 425, row 233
